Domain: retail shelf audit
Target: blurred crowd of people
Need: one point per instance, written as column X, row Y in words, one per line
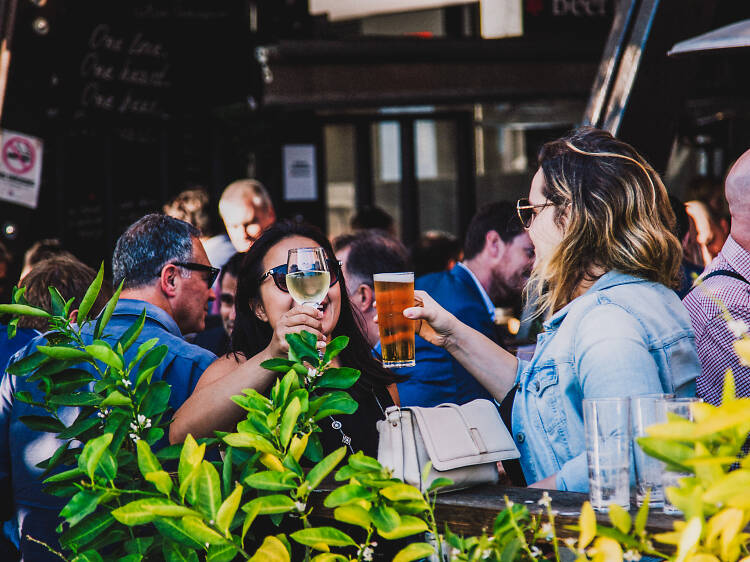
column 599, row 250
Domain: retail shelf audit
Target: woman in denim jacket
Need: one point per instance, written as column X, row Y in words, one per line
column 601, row 224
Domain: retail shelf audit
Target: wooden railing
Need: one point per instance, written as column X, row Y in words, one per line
column 469, row 512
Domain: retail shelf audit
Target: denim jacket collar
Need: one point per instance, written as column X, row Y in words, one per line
column 610, row 279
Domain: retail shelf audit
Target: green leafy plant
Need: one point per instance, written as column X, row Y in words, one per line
column 130, row 498
column 123, row 502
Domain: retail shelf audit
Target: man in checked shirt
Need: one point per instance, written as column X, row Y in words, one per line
column 726, row 280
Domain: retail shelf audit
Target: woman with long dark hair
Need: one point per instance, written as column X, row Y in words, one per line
column 266, row 313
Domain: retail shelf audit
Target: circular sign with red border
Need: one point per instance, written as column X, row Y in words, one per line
column 19, row 155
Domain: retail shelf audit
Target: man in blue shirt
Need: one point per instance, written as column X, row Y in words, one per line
column 9, row 347
column 498, row 256
column 167, row 273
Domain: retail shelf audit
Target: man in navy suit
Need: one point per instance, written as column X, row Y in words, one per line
column 498, row 256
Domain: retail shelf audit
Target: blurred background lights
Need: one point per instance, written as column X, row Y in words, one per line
column 41, row 26
column 10, row 230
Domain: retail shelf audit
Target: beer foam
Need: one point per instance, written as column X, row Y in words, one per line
column 404, row 277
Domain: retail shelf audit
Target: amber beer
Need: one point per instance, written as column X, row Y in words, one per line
column 394, row 292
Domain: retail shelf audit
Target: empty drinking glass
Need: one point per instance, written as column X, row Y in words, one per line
column 679, row 407
column 607, row 427
column 645, row 411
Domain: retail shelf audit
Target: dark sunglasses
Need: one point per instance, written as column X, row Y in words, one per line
column 279, row 274
column 526, row 211
column 213, row 272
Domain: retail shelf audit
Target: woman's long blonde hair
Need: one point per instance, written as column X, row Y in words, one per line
column 618, row 217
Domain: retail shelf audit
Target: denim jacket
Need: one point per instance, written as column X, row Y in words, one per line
column 625, row 336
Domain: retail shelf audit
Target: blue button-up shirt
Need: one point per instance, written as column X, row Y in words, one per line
column 9, row 347
column 22, row 448
column 625, row 336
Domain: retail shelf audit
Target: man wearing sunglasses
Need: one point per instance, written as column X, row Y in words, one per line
column 166, row 275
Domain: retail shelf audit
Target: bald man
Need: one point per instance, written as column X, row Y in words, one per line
column 725, row 280
column 247, row 211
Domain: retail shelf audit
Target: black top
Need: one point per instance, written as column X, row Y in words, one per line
column 357, row 430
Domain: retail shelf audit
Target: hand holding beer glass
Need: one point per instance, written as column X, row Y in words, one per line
column 394, row 292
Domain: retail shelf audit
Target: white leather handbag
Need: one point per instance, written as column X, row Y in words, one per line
column 464, row 443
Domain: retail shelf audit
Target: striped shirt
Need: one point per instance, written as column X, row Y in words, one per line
column 714, row 338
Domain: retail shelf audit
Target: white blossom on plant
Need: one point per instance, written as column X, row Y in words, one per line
column 545, row 500
column 312, row 374
column 366, row 552
column 631, row 556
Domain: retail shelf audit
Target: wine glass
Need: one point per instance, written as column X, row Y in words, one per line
column 307, row 275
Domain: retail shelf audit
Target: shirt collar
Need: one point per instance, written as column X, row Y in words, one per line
column 736, row 256
column 133, row 307
column 485, row 297
column 610, row 279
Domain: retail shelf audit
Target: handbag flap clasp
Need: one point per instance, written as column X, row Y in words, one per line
column 457, row 436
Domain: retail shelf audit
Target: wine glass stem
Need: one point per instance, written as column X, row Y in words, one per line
column 319, row 306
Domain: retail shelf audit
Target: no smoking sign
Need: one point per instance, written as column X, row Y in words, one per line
column 19, row 155
column 20, row 168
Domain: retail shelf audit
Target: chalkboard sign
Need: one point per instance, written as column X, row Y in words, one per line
column 124, row 95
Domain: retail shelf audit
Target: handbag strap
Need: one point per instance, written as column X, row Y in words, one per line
column 394, row 419
column 393, row 391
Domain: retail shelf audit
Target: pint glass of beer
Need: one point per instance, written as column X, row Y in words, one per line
column 394, row 292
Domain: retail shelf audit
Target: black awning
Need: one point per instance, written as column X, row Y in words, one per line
column 307, row 74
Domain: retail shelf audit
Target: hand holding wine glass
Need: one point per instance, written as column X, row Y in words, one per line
column 308, row 277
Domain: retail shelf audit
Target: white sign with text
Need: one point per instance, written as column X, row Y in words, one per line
column 300, row 173
column 350, row 9
column 20, row 168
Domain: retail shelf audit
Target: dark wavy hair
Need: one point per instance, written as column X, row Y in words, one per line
column 618, row 216
column 251, row 335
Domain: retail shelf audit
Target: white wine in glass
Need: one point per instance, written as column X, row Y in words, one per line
column 308, row 277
